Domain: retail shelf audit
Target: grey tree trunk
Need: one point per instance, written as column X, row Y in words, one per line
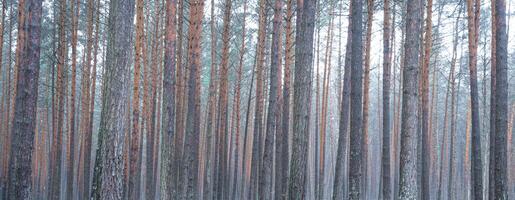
column 266, row 175
column 409, row 184
column 115, row 103
column 385, row 160
column 302, row 97
column 356, row 96
column 501, row 103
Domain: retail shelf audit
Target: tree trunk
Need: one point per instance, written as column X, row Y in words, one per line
column 282, row 146
column 501, row 103
column 366, row 98
column 266, row 174
column 191, row 152
column 387, row 56
column 340, row 187
column 302, row 97
column 473, row 10
column 115, row 102
column 409, row 185
column 258, row 114
column 356, row 94
column 426, row 134
column 23, row 130
column 57, row 138
column 169, row 88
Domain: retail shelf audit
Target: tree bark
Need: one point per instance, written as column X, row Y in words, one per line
column 409, row 185
column 501, row 102
column 366, row 94
column 191, row 153
column 115, row 103
column 387, row 56
column 266, row 174
column 23, row 130
column 302, row 97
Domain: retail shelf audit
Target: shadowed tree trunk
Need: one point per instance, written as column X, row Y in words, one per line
column 409, row 185
column 366, row 94
column 24, row 122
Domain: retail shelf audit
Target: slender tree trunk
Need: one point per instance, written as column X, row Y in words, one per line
column 211, row 115
column 282, row 146
column 223, row 110
column 387, row 56
column 493, row 88
column 258, row 118
column 366, row 94
column 409, row 185
column 57, row 139
column 426, row 134
column 266, row 174
column 473, row 10
column 340, row 181
column 135, row 148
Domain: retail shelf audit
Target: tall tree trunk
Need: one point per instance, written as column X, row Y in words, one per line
column 85, row 119
column 266, row 174
column 71, row 110
column 223, row 110
column 302, row 97
column 135, row 148
column 473, row 10
column 356, row 96
column 493, row 88
column 211, row 114
column 409, row 185
column 387, row 56
column 366, row 94
column 501, row 102
column 258, row 114
column 115, row 101
column 282, row 146
column 23, row 130
column 169, row 88
column 426, row 134
column 57, row 138
column 191, row 152
column 340, row 187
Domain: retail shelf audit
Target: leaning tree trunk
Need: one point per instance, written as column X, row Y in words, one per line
column 24, row 123
column 409, row 185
